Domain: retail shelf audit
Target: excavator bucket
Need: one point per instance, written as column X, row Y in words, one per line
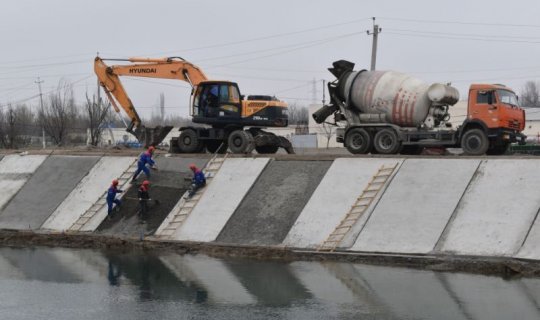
column 151, row 136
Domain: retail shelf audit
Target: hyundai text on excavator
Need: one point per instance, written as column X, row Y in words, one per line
column 232, row 122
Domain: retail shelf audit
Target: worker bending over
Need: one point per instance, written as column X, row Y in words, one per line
column 144, row 197
column 145, row 159
column 111, row 197
column 198, row 181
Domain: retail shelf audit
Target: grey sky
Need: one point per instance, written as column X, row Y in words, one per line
column 57, row 39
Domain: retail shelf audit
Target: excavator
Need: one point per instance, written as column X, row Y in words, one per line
column 230, row 121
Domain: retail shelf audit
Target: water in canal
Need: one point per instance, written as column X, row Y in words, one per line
column 55, row 283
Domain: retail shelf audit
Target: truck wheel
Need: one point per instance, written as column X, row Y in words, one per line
column 266, row 149
column 358, row 141
column 498, row 149
column 216, row 146
column 241, row 141
column 474, row 142
column 386, row 141
column 189, row 142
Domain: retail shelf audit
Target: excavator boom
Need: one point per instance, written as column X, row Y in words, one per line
column 162, row 68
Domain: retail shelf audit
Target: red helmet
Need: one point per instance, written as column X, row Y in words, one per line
column 115, row 182
column 193, row 167
column 146, row 183
column 151, row 149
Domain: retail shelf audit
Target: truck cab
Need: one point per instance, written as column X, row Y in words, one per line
column 495, row 119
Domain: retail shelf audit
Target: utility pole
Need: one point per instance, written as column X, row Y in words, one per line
column 314, row 91
column 39, row 82
column 323, row 92
column 375, row 34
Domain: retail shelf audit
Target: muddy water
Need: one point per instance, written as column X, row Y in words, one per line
column 49, row 283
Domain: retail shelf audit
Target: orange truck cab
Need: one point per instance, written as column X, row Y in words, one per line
column 494, row 119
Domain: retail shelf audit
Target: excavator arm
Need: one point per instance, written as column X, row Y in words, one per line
column 160, row 68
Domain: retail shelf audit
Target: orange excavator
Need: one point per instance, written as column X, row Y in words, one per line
column 232, row 122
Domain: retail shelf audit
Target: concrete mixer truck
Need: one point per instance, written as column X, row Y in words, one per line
column 388, row 112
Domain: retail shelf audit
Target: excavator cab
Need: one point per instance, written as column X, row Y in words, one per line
column 216, row 102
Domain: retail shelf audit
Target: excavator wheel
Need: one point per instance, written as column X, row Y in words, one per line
column 216, row 146
column 267, row 149
column 189, row 142
column 241, row 141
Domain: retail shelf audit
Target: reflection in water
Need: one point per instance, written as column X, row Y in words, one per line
column 136, row 285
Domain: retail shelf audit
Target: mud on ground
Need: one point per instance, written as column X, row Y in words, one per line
column 126, row 221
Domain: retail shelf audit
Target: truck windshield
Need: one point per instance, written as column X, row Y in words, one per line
column 508, row 97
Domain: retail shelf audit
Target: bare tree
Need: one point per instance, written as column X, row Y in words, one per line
column 328, row 131
column 298, row 115
column 530, row 95
column 16, row 126
column 57, row 114
column 96, row 113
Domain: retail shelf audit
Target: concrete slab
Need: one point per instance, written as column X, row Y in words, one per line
column 490, row 297
column 530, row 248
column 221, row 199
column 15, row 170
column 272, row 206
column 498, row 208
column 87, row 192
column 330, row 203
column 44, row 191
column 221, row 284
column 416, row 207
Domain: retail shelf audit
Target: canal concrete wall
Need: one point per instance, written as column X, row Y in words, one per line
column 485, row 207
column 334, row 196
column 496, row 212
column 220, row 199
column 15, row 170
column 416, row 206
column 271, row 207
column 87, row 192
column 49, row 186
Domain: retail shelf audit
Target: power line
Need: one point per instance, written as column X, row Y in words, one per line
column 497, row 24
column 46, row 93
column 278, row 48
column 45, row 64
column 320, row 42
column 459, row 38
column 47, row 58
column 277, row 35
column 464, row 34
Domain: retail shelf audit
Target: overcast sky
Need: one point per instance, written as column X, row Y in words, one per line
column 269, row 47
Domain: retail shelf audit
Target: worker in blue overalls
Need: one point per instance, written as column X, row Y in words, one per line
column 198, row 181
column 111, row 197
column 145, row 159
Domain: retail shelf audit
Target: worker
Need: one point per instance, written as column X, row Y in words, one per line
column 144, row 197
column 145, row 159
column 198, row 181
column 111, row 198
